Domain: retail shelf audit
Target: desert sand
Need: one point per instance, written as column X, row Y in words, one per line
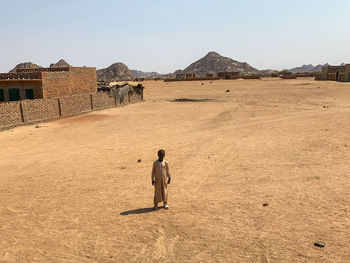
column 74, row 191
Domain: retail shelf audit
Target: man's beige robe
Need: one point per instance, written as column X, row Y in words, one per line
column 160, row 175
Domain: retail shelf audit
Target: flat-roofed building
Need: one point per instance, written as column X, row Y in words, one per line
column 228, row 75
column 336, row 73
column 180, row 76
column 40, row 83
column 190, row 75
column 183, row 76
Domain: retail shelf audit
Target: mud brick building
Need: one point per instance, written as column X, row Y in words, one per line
column 228, row 75
column 337, row 73
column 190, row 75
column 180, row 76
column 44, row 83
column 186, row 76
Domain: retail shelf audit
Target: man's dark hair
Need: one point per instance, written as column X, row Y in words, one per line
column 161, row 151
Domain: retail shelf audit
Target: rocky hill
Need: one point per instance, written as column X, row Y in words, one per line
column 141, row 74
column 60, row 64
column 309, row 68
column 115, row 72
column 213, row 63
column 268, row 72
column 24, row 65
column 306, row 69
column 29, row 65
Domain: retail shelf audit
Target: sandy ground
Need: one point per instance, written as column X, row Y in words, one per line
column 73, row 190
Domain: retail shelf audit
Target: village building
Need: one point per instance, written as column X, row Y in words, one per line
column 228, row 75
column 185, row 76
column 337, row 73
column 180, row 76
column 41, row 83
column 190, row 75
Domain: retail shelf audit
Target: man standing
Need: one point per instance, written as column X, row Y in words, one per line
column 160, row 180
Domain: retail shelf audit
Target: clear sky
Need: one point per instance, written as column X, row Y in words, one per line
column 166, row 35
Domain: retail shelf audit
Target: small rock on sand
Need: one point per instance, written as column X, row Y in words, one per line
column 227, row 90
column 320, row 244
column 265, row 204
column 38, row 126
column 139, row 160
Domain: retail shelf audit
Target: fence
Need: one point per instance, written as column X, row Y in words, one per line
column 13, row 114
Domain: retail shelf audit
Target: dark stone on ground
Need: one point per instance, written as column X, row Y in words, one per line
column 320, row 244
column 190, row 100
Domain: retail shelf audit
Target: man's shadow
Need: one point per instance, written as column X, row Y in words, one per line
column 137, row 211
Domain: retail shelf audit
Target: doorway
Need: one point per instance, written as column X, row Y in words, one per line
column 2, row 97
column 29, row 94
column 14, row 95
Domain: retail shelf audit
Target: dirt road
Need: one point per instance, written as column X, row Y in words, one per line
column 73, row 190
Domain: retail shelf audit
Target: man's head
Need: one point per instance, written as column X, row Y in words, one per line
column 161, row 154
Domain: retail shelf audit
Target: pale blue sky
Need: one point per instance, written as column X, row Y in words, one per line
column 164, row 35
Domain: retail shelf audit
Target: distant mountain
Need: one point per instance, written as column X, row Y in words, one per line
column 141, row 74
column 115, row 72
column 29, row 65
column 306, row 68
column 60, row 64
column 25, row 65
column 213, row 63
column 268, row 72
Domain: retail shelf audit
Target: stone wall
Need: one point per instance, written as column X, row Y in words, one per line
column 25, row 112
